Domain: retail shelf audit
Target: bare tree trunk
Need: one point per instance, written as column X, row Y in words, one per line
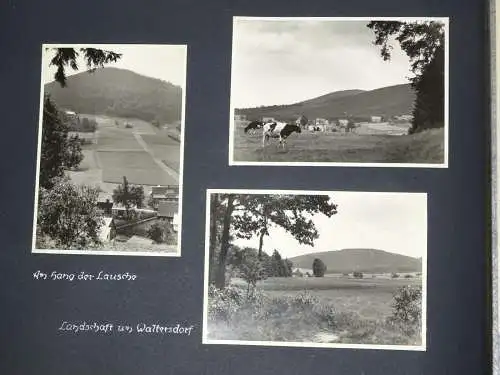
column 261, row 241
column 220, row 277
column 214, row 201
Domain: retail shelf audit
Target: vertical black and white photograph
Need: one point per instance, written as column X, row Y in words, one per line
column 316, row 269
column 110, row 149
column 339, row 91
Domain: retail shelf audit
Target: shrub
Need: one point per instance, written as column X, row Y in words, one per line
column 223, row 303
column 395, row 275
column 155, row 232
column 357, row 274
column 406, row 305
column 407, row 276
column 128, row 126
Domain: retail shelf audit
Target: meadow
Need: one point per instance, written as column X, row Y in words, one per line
column 366, row 145
column 317, row 310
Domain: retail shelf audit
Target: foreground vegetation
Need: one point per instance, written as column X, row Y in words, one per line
column 426, row 147
column 235, row 315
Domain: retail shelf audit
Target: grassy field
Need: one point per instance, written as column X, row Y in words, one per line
column 328, row 309
column 369, row 298
column 425, row 147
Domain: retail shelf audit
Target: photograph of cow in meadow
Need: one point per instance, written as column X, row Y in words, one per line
column 363, row 91
column 110, row 150
column 315, row 269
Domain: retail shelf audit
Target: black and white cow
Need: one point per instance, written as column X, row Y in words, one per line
column 253, row 126
column 279, row 130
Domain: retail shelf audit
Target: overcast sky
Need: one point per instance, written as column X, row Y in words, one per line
column 165, row 62
column 287, row 61
column 394, row 222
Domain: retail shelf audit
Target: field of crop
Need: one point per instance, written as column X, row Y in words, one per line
column 362, row 147
column 117, row 152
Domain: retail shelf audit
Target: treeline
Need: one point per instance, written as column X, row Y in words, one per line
column 272, row 265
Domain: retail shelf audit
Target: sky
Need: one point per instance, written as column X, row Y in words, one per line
column 286, row 61
column 165, row 62
column 393, row 222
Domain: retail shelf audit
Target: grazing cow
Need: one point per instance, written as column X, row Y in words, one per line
column 279, row 130
column 254, row 125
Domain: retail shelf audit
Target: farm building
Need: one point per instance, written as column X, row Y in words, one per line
column 376, row 119
column 342, row 123
column 105, row 208
column 321, row 122
column 107, row 231
column 240, row 117
column 164, row 193
column 169, row 211
column 268, row 119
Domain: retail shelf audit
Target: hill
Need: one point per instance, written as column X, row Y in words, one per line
column 121, row 93
column 364, row 260
column 386, row 101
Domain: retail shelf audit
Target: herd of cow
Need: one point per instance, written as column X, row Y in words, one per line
column 274, row 129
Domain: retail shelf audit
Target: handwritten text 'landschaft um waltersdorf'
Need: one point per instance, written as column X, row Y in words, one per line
column 84, row 276
column 107, row 327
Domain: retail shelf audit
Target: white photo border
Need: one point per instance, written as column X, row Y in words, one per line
column 445, row 20
column 177, row 253
column 206, row 340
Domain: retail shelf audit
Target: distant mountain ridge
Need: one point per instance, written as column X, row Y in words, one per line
column 121, row 93
column 363, row 260
column 386, row 101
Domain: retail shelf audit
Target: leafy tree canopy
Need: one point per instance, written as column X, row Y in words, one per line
column 66, row 57
column 419, row 40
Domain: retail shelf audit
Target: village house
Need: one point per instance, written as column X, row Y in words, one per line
column 169, row 211
column 107, row 230
column 376, row 119
column 164, row 193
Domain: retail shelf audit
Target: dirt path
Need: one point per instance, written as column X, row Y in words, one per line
column 162, row 165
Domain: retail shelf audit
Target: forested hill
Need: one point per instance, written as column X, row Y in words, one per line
column 119, row 92
column 386, row 101
column 364, row 260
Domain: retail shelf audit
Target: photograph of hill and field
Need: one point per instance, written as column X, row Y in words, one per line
column 316, row 269
column 110, row 151
column 352, row 91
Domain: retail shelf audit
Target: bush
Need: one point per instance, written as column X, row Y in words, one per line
column 128, row 126
column 395, row 275
column 155, row 232
column 407, row 305
column 357, row 274
column 223, row 303
column 408, row 276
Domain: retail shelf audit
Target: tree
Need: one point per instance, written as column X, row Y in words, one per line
column 57, row 151
column 318, row 268
column 66, row 57
column 251, row 270
column 68, row 214
column 128, row 195
column 74, row 152
column 247, row 215
column 423, row 42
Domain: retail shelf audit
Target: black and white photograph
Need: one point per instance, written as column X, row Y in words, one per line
column 110, row 149
column 329, row 269
column 321, row 91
